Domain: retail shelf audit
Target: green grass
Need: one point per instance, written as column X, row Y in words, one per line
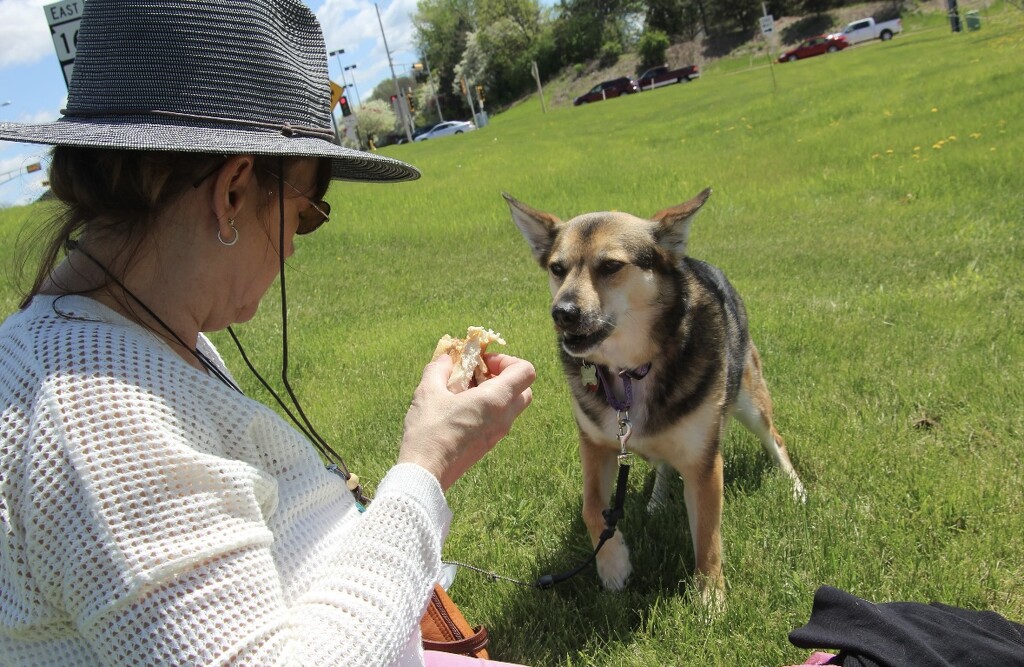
column 869, row 207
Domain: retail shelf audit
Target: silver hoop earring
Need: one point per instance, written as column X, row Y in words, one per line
column 234, row 239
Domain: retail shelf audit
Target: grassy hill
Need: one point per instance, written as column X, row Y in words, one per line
column 868, row 206
column 734, row 52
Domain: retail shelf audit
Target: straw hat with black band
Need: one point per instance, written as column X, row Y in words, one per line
column 204, row 76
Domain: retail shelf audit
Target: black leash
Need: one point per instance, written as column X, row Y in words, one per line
column 616, row 511
column 611, row 518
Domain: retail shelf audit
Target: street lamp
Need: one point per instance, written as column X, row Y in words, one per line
column 354, row 84
column 340, row 68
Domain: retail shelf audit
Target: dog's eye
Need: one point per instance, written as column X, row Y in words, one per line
column 608, row 267
column 557, row 269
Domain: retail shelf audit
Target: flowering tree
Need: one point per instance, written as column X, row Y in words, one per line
column 375, row 119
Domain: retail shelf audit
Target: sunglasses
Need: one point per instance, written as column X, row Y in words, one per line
column 310, row 219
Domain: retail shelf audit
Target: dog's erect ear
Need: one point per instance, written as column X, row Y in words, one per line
column 674, row 230
column 538, row 228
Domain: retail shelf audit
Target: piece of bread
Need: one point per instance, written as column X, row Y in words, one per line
column 467, row 354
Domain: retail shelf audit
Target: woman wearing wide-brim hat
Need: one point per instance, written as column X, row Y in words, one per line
column 151, row 513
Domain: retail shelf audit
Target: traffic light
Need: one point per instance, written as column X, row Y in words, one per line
column 409, row 99
column 480, row 94
column 419, row 73
column 345, row 109
column 462, row 84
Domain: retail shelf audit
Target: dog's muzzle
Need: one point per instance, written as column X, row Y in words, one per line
column 566, row 315
column 579, row 332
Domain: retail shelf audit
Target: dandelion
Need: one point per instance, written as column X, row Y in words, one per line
column 938, row 145
column 935, row 109
column 975, row 135
column 888, row 151
column 875, row 156
column 917, row 148
column 952, row 137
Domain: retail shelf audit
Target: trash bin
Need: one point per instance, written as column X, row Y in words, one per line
column 973, row 20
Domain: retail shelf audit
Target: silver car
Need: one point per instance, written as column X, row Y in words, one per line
column 446, row 128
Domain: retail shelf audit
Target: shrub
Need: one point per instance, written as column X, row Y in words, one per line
column 652, row 48
column 610, row 52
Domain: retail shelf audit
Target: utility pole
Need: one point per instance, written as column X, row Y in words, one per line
column 540, row 88
column 394, row 79
column 469, row 99
column 433, row 90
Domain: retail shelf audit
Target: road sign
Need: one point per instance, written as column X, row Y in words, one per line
column 336, row 93
column 64, row 19
column 767, row 24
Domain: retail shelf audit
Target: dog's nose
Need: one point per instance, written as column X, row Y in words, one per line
column 566, row 315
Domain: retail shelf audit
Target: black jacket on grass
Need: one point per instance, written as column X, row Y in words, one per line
column 908, row 634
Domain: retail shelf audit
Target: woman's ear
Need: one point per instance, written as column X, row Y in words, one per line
column 231, row 186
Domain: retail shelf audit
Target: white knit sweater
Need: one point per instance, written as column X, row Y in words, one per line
column 151, row 515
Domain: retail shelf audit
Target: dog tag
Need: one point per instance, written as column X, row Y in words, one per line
column 589, row 376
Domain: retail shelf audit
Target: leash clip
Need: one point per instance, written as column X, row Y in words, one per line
column 625, row 431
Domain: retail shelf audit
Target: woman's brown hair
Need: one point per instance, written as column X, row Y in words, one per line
column 120, row 193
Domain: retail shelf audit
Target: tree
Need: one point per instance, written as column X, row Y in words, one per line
column 510, row 34
column 376, row 119
column 734, row 16
column 675, row 18
column 442, row 28
column 583, row 27
column 652, row 48
column 510, row 48
column 386, row 88
column 473, row 65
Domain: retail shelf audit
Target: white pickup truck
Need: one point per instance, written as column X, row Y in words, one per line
column 863, row 30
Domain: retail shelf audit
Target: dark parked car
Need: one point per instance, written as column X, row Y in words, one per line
column 815, row 46
column 608, row 89
column 663, row 76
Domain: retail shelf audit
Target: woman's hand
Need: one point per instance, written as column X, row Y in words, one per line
column 447, row 433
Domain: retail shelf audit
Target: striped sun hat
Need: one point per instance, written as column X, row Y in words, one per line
column 206, row 76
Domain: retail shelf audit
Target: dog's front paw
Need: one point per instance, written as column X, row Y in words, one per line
column 799, row 493
column 710, row 597
column 613, row 563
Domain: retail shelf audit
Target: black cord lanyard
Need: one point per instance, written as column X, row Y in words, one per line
column 205, row 361
column 336, row 463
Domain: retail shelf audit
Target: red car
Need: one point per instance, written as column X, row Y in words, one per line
column 815, row 46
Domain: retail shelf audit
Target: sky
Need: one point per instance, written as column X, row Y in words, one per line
column 32, row 88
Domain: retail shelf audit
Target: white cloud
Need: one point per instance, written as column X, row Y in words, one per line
column 353, row 25
column 24, row 35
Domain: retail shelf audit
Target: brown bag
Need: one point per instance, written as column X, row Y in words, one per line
column 445, row 629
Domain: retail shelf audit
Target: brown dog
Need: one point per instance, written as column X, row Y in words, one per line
column 644, row 327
